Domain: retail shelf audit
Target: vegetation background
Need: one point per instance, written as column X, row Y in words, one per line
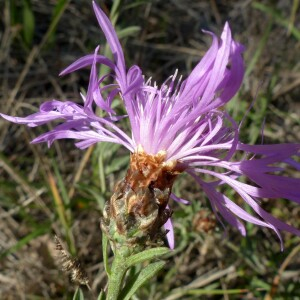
column 62, row 190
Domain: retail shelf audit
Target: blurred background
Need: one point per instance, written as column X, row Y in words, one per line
column 62, row 190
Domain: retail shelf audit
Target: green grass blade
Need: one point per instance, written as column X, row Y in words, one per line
column 101, row 296
column 53, row 24
column 62, row 214
column 141, row 278
column 217, row 292
column 60, row 183
column 114, row 13
column 278, row 18
column 293, row 15
column 78, row 294
column 58, row 9
column 42, row 229
column 260, row 48
column 146, row 255
column 28, row 22
column 128, row 31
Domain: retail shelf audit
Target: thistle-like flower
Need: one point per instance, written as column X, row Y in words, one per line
column 176, row 127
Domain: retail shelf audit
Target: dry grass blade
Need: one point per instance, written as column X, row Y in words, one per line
column 80, row 169
column 287, row 88
column 30, row 59
column 200, row 282
column 276, row 280
column 293, row 16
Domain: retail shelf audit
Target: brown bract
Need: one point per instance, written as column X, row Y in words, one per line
column 138, row 207
column 152, row 172
column 148, row 169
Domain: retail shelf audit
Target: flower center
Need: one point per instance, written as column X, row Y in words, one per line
column 152, row 171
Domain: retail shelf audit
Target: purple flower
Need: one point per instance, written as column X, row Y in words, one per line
column 182, row 120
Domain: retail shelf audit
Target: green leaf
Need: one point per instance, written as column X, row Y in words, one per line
column 57, row 11
column 78, row 294
column 129, row 31
column 93, row 195
column 139, row 279
column 117, row 164
column 101, row 296
column 28, row 22
column 146, row 255
column 105, row 254
column 59, row 8
column 134, row 4
column 13, row 11
column 114, row 13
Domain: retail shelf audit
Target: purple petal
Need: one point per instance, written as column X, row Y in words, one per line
column 273, row 222
column 85, row 61
column 180, row 200
column 135, row 80
column 218, row 70
column 200, row 71
column 113, row 41
column 33, row 120
column 219, row 200
column 170, row 235
column 93, row 92
column 269, row 149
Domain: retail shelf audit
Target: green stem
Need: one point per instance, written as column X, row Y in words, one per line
column 115, row 282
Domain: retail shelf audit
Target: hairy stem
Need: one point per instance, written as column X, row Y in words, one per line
column 115, row 282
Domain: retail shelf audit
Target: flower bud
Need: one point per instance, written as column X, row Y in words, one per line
column 138, row 207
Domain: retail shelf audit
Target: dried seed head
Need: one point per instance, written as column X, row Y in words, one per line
column 71, row 265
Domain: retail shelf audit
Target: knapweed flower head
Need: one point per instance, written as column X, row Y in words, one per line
column 179, row 126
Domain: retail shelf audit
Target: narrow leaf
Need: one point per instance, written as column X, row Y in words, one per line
column 278, row 18
column 146, row 255
column 129, row 31
column 59, row 204
column 105, row 254
column 139, row 279
column 59, row 8
column 61, row 184
column 115, row 10
column 259, row 49
column 28, row 22
column 78, row 294
column 101, row 296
